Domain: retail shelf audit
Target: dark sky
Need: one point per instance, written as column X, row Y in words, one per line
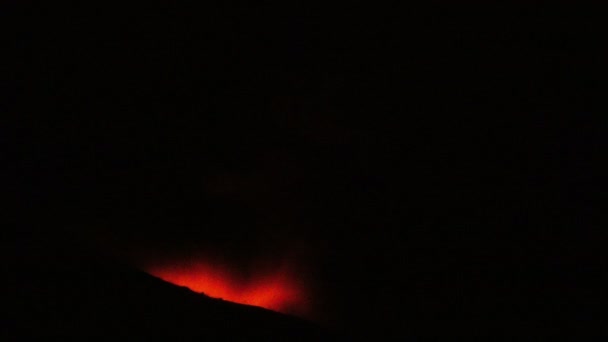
column 404, row 157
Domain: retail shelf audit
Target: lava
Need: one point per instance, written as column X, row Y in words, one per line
column 276, row 289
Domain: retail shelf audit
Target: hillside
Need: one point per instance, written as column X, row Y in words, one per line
column 81, row 295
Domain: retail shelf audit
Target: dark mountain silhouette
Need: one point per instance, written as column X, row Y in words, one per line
column 77, row 294
column 56, row 289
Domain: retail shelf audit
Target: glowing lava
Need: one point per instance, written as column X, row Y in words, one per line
column 277, row 290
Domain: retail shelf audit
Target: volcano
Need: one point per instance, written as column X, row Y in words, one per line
column 83, row 295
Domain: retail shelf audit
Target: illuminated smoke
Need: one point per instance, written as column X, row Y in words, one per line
column 275, row 288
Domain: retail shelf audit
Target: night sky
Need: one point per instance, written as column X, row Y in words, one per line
column 407, row 165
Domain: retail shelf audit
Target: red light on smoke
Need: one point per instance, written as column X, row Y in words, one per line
column 276, row 290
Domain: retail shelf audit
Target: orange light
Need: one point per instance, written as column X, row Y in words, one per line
column 276, row 290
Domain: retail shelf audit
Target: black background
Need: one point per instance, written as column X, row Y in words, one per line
column 426, row 165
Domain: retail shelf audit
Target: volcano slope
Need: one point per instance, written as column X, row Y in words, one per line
column 60, row 293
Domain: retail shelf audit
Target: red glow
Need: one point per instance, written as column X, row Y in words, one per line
column 277, row 290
